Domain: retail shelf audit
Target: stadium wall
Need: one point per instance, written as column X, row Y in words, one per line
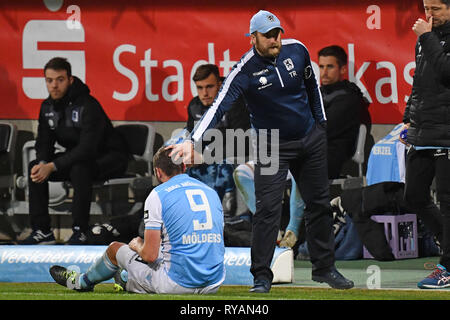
column 32, row 263
column 138, row 58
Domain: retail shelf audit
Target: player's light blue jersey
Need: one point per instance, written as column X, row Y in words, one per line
column 387, row 159
column 189, row 215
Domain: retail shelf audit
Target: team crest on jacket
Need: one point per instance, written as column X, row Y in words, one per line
column 288, row 64
column 263, row 80
column 264, row 83
column 75, row 116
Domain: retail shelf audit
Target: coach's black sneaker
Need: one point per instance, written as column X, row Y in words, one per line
column 78, row 237
column 68, row 278
column 261, row 286
column 39, row 237
column 120, row 280
column 333, row 278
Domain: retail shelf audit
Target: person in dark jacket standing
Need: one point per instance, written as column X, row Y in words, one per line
column 427, row 122
column 345, row 109
column 94, row 150
column 278, row 83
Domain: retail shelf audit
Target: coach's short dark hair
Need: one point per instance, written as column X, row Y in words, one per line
column 446, row 2
column 204, row 71
column 59, row 63
column 162, row 161
column 337, row 52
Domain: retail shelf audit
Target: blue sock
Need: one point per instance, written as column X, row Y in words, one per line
column 296, row 206
column 124, row 275
column 102, row 269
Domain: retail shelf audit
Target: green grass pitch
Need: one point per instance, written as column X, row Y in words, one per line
column 53, row 291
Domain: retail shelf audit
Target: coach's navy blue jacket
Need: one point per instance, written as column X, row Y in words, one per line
column 281, row 94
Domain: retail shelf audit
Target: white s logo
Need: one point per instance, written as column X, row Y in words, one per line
column 36, row 31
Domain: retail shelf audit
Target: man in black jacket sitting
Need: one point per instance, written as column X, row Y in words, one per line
column 345, row 107
column 218, row 175
column 94, row 150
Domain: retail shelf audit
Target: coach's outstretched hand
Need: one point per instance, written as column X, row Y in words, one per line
column 186, row 153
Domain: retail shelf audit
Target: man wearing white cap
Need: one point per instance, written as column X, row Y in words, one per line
column 277, row 81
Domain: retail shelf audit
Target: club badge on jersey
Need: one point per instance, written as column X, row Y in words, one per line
column 75, row 116
column 52, row 119
column 288, row 64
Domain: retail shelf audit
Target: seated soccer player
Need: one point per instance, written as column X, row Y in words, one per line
column 182, row 251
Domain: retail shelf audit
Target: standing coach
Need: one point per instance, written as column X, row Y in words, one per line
column 277, row 81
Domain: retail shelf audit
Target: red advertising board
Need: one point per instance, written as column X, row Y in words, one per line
column 138, row 57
